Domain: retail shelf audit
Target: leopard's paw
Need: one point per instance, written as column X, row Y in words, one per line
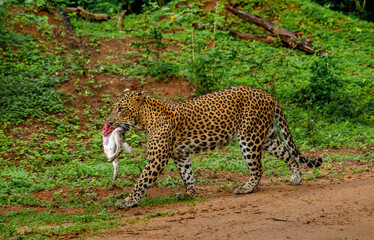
column 185, row 195
column 295, row 180
column 245, row 190
column 126, row 203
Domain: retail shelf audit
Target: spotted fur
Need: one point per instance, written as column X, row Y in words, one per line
column 175, row 130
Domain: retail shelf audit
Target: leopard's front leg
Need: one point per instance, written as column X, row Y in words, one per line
column 159, row 153
column 147, row 178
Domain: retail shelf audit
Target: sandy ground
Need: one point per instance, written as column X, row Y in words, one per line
column 323, row 209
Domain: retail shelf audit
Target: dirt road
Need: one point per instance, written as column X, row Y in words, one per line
column 323, row 209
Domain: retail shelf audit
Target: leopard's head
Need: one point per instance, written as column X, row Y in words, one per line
column 125, row 109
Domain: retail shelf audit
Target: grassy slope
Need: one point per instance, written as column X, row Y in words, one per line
column 63, row 153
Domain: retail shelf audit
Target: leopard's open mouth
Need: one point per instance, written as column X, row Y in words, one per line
column 124, row 126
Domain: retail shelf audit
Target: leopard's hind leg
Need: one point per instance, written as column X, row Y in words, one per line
column 184, row 166
column 273, row 146
column 250, row 146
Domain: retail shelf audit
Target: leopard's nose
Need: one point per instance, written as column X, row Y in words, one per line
column 109, row 121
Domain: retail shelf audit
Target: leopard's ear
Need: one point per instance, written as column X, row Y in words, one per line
column 126, row 90
column 140, row 96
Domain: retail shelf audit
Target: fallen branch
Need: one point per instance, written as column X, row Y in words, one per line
column 88, row 15
column 256, row 37
column 288, row 38
column 120, row 20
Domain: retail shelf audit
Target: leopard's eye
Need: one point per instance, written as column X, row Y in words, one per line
column 120, row 109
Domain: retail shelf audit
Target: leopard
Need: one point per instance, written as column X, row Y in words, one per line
column 177, row 129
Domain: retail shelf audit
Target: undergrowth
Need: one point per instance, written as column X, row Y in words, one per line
column 29, row 75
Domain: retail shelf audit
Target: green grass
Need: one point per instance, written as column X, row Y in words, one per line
column 29, row 73
column 363, row 158
column 47, row 224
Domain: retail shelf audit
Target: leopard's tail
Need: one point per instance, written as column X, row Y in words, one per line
column 287, row 138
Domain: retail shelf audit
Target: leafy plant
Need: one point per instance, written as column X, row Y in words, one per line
column 327, row 92
column 354, row 8
column 163, row 70
column 28, row 78
column 209, row 68
column 151, row 42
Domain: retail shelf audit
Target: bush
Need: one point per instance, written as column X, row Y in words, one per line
column 27, row 81
column 327, row 93
column 325, row 82
column 163, row 70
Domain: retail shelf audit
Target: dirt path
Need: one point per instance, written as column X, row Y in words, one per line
column 343, row 209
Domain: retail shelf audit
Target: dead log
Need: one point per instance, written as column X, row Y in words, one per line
column 120, row 20
column 256, row 37
column 288, row 38
column 88, row 15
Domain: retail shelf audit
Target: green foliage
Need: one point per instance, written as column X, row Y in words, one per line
column 324, row 134
column 208, row 69
column 28, row 77
column 353, row 8
column 324, row 82
column 163, row 70
column 151, row 42
column 347, row 157
column 6, row 35
column 329, row 94
column 97, row 6
column 325, row 90
column 36, row 223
